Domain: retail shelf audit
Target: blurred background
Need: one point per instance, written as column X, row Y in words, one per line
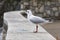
column 44, row 8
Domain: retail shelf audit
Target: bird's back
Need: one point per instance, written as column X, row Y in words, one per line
column 36, row 19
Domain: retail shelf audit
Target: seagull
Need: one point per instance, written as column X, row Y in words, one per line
column 35, row 19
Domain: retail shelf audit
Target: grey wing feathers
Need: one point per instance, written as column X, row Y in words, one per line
column 37, row 20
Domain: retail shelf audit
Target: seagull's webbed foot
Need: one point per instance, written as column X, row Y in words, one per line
column 35, row 31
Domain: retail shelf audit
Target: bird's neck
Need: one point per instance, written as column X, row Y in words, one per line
column 29, row 15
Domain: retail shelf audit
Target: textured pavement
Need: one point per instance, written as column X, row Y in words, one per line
column 21, row 29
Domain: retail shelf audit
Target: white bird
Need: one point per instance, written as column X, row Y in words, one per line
column 35, row 19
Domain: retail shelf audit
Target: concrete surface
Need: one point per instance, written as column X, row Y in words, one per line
column 21, row 29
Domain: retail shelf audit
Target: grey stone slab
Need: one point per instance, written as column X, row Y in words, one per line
column 19, row 28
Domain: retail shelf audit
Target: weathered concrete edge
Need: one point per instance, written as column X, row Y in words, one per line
column 4, row 30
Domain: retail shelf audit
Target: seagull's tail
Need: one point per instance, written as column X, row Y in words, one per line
column 48, row 21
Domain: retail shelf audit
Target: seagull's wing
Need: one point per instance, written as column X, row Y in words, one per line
column 36, row 19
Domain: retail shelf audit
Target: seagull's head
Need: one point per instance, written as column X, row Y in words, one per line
column 29, row 12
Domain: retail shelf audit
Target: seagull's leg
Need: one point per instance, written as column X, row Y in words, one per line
column 36, row 28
